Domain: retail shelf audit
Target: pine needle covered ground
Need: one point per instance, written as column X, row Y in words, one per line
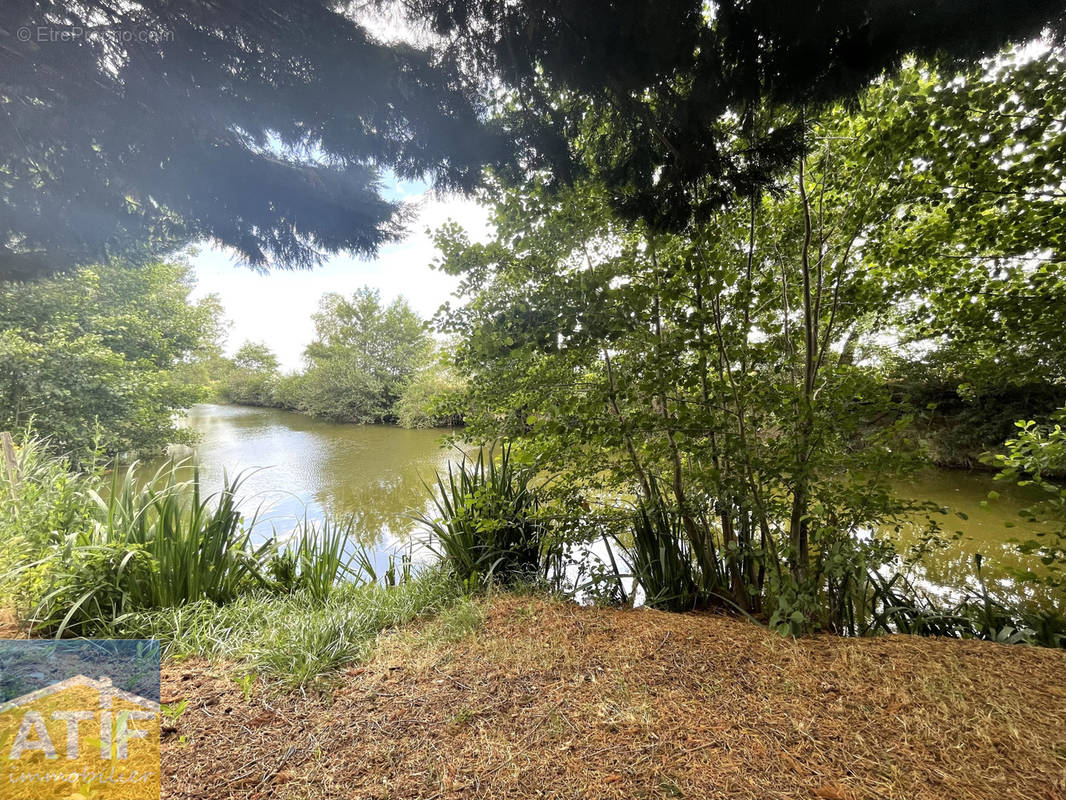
column 544, row 699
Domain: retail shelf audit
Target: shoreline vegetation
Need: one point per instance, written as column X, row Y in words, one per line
column 130, row 554
column 504, row 675
column 369, row 363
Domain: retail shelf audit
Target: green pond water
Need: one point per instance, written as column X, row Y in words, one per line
column 294, row 465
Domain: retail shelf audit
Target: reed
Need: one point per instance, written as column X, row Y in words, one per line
column 489, row 526
column 152, row 543
column 317, row 557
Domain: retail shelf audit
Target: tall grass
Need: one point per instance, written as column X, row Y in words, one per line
column 157, row 557
column 489, row 525
column 152, row 543
column 41, row 500
column 290, row 637
column 83, row 552
column 317, row 557
column 662, row 561
column 672, row 573
column 664, row 564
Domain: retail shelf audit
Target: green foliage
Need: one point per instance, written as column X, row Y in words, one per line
column 150, row 557
column 43, row 501
column 241, row 126
column 733, row 376
column 363, row 355
column 92, row 360
column 662, row 560
column 251, row 377
column 628, row 360
column 1037, row 457
column 368, row 363
column 490, row 526
column 971, row 229
column 434, row 397
column 316, row 558
column 153, row 543
column 80, row 553
column 894, row 605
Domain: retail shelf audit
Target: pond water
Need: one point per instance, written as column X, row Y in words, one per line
column 974, row 524
column 294, row 465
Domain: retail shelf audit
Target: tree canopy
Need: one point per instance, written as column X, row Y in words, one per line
column 93, row 359
column 128, row 128
column 660, row 102
column 734, row 375
column 365, row 358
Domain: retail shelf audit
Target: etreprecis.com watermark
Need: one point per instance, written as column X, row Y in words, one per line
column 77, row 33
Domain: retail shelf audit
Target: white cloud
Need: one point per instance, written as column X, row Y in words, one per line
column 276, row 308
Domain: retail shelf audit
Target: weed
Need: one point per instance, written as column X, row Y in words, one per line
column 489, row 525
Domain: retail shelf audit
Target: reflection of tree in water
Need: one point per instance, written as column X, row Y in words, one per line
column 948, row 567
column 380, row 509
column 381, row 487
column 373, row 473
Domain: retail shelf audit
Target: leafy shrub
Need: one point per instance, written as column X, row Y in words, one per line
column 490, row 525
column 1036, row 456
column 42, row 501
column 434, row 398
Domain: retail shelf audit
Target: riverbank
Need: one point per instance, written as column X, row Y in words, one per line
column 298, row 467
column 547, row 699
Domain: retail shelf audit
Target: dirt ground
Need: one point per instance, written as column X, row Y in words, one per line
column 551, row 700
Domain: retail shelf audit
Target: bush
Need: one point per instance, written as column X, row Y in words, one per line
column 435, row 398
column 42, row 502
column 490, row 526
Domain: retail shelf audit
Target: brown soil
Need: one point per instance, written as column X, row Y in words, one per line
column 551, row 700
column 9, row 626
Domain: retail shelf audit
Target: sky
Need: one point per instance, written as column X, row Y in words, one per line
column 276, row 308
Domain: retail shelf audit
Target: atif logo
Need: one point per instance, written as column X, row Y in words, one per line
column 79, row 739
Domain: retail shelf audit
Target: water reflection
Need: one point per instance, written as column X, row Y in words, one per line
column 992, row 530
column 293, row 465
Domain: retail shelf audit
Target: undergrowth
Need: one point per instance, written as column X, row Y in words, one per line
column 290, row 637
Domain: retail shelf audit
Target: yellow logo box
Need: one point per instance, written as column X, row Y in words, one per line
column 79, row 719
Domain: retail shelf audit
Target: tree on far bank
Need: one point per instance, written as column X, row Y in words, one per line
column 250, row 377
column 363, row 355
column 97, row 358
column 436, row 396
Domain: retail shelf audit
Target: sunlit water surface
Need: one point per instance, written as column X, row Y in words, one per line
column 294, row 466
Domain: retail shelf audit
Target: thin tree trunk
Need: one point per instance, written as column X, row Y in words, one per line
column 612, row 396
column 798, row 523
